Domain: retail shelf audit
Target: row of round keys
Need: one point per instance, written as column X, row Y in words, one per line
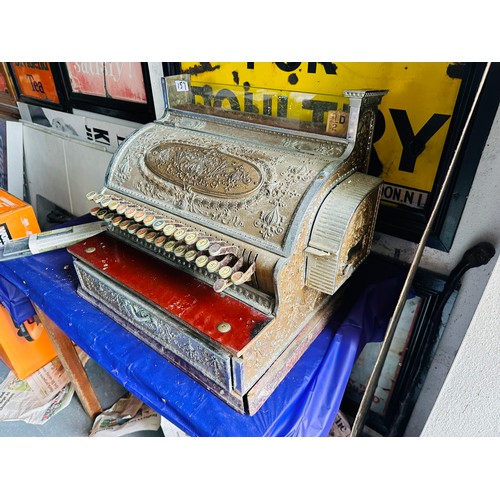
column 120, row 207
column 170, row 228
column 226, row 264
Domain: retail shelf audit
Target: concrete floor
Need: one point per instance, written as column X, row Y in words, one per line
column 72, row 421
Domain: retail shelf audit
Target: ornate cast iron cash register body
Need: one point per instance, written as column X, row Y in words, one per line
column 229, row 233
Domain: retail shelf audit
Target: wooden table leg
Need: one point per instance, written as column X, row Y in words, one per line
column 71, row 362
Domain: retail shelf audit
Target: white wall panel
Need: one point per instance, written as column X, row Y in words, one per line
column 45, row 167
column 468, row 404
column 15, row 168
column 86, row 167
column 62, row 169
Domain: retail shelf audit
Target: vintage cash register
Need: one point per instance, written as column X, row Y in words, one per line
column 230, row 232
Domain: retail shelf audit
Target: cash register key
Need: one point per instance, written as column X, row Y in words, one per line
column 121, row 208
column 221, row 284
column 180, row 233
column 98, row 197
column 191, row 255
column 106, row 200
column 170, row 245
column 113, row 204
column 160, row 241
column 95, row 210
column 139, row 215
column 142, row 232
column 101, row 213
column 191, row 237
column 116, row 220
column 225, row 271
column 179, row 250
column 206, row 241
column 159, row 224
column 201, row 261
column 202, row 243
column 213, row 266
column 148, row 220
column 169, row 229
column 130, row 212
column 236, row 277
column 91, row 195
column 109, row 216
column 239, row 277
column 124, row 224
column 151, row 236
column 133, row 228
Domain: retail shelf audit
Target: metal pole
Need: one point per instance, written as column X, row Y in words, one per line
column 365, row 404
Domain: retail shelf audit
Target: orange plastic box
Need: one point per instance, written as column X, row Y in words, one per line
column 17, row 218
column 23, row 356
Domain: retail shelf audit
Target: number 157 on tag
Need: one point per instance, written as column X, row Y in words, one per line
column 181, row 86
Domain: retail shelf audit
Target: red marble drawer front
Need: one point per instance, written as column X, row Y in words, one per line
column 182, row 296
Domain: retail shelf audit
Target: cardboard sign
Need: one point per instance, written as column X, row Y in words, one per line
column 115, row 80
column 35, row 80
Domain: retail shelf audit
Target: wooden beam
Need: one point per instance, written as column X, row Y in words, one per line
column 71, row 362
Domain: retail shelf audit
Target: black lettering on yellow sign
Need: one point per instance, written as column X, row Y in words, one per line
column 224, row 95
column 329, row 67
column 414, row 144
column 249, row 105
column 217, row 100
column 408, row 140
column 319, row 108
column 288, row 66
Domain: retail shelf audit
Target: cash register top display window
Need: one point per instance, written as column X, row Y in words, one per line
column 305, row 113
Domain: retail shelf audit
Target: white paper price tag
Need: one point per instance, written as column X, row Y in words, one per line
column 181, row 86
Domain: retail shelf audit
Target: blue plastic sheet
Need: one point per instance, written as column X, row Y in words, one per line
column 16, row 302
column 304, row 404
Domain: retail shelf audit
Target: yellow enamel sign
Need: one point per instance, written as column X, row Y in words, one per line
column 412, row 124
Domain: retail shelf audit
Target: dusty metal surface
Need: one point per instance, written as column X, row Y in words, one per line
column 276, row 218
column 341, row 236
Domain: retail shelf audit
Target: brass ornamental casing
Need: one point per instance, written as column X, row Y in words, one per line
column 272, row 216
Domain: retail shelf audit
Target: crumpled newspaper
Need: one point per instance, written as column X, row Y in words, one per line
column 127, row 416
column 341, row 426
column 38, row 397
